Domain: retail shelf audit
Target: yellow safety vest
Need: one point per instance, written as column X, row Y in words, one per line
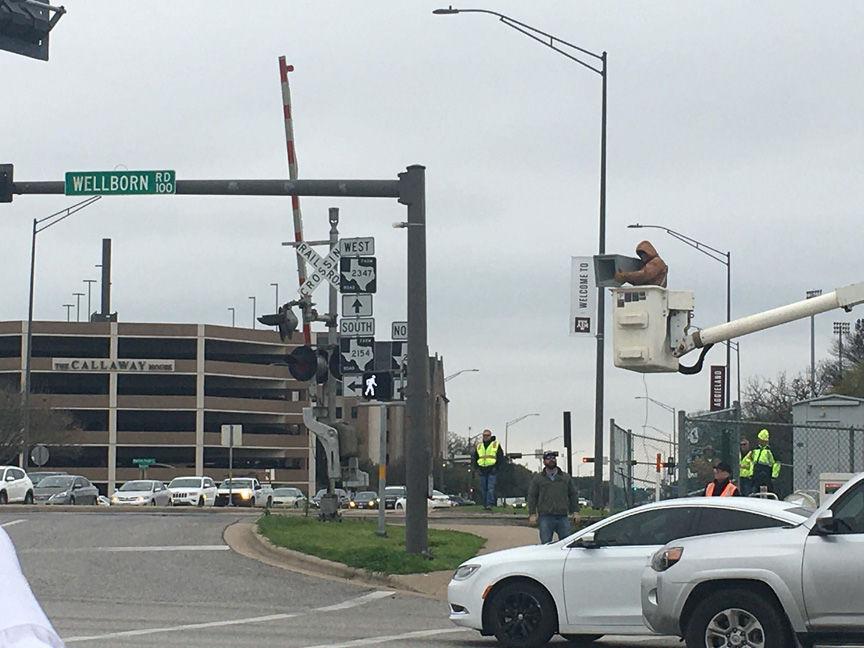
column 487, row 455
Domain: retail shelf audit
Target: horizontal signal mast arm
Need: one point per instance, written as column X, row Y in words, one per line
column 845, row 298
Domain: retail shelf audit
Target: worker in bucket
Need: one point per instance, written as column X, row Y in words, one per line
column 653, row 271
column 23, row 624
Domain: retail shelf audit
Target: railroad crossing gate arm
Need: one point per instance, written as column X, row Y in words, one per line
column 329, row 438
column 845, row 298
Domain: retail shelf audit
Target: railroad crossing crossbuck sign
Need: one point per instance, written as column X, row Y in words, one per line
column 323, row 267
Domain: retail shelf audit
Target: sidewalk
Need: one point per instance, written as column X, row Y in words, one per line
column 243, row 538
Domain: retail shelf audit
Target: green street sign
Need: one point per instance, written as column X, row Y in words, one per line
column 143, row 463
column 118, row 183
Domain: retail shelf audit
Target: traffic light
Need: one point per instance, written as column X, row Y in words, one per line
column 377, row 385
column 587, row 459
column 285, row 320
column 6, row 179
column 306, row 363
column 24, row 26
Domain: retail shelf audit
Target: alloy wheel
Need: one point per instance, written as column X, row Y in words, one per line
column 734, row 628
column 520, row 615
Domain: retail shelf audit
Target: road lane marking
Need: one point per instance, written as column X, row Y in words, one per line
column 192, row 626
column 360, row 600
column 13, row 522
column 130, row 549
column 371, row 641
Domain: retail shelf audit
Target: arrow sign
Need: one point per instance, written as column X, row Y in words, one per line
column 352, row 386
column 358, row 275
column 322, row 268
column 359, row 305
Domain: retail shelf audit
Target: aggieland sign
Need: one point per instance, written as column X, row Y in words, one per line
column 102, row 365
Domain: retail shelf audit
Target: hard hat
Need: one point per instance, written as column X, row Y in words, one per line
column 763, row 435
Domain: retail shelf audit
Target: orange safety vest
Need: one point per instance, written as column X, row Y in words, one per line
column 729, row 491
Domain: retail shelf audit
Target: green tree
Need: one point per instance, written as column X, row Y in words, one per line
column 48, row 426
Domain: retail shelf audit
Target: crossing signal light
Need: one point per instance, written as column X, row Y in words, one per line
column 377, row 385
column 285, row 320
column 306, row 363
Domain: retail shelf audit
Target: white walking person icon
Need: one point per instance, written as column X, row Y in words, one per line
column 371, row 384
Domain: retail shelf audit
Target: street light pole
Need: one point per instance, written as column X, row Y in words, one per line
column 810, row 295
column 556, row 44
column 233, row 314
column 78, row 297
column 89, row 283
column 459, row 373
column 726, row 259
column 514, row 422
column 840, row 329
column 39, row 225
column 254, row 313
column 276, row 286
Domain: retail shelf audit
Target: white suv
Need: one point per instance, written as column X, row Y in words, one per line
column 765, row 588
column 192, row 491
column 15, row 486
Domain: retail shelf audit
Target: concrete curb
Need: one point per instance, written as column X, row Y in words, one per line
column 244, row 539
column 162, row 510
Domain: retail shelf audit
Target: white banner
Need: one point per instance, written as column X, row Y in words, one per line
column 583, row 297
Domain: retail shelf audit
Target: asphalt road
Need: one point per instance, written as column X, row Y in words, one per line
column 122, row 580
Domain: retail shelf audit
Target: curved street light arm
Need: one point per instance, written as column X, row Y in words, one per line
column 714, row 253
column 63, row 214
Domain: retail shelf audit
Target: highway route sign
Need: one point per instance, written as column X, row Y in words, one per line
column 119, row 183
column 358, row 275
column 322, row 267
column 357, row 355
column 355, row 247
column 357, row 326
column 357, row 305
column 399, row 331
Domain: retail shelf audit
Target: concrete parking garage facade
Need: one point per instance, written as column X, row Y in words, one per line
column 163, row 391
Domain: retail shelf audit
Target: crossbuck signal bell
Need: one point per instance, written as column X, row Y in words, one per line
column 285, row 320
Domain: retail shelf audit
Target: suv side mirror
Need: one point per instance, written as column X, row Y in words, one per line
column 10, row 478
column 586, row 541
column 825, row 523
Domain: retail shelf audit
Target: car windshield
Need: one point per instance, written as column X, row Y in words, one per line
column 37, row 477
column 398, row 491
column 137, row 486
column 185, row 482
column 237, row 483
column 55, row 482
column 286, row 492
column 366, row 495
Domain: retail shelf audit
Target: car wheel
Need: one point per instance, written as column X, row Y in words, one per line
column 737, row 617
column 201, row 501
column 581, row 640
column 522, row 615
column 28, row 498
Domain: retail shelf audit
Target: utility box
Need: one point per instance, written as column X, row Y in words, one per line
column 649, row 322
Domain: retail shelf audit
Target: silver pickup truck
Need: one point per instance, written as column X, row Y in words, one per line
column 768, row 588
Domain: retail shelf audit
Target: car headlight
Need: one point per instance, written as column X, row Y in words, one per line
column 665, row 558
column 114, row 499
column 140, row 498
column 464, row 572
column 245, row 493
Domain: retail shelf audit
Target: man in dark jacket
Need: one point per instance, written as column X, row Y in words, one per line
column 552, row 499
column 653, row 272
column 486, row 456
column 722, row 485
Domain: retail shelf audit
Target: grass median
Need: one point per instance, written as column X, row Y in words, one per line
column 354, row 543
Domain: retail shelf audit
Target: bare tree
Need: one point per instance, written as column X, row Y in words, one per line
column 771, row 400
column 48, row 426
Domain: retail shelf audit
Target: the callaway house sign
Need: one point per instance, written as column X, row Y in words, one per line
column 107, row 364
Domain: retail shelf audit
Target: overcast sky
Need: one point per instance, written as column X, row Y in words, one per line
column 738, row 123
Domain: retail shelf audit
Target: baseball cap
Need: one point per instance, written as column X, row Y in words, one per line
column 550, row 454
column 722, row 465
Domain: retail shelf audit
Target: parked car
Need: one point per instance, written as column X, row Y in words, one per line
column 768, row 587
column 142, row 492
column 364, row 500
column 391, row 494
column 458, row 500
column 344, row 498
column 289, row 497
column 65, row 489
column 15, row 486
column 192, row 491
column 244, row 491
column 101, row 500
column 440, row 500
column 401, row 504
column 37, row 477
column 587, row 585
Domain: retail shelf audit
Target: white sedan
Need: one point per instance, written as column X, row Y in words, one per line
column 588, row 585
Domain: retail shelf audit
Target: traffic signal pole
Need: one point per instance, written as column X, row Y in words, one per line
column 410, row 190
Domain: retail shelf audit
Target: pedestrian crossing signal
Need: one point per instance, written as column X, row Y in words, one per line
column 378, row 386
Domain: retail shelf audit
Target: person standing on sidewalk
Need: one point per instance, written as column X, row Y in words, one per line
column 552, row 500
column 486, row 457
